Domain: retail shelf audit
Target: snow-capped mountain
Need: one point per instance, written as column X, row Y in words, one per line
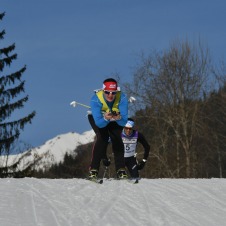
column 51, row 152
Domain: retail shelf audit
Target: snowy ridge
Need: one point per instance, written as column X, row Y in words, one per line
column 51, row 152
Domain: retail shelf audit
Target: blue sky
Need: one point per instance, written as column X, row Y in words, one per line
column 71, row 46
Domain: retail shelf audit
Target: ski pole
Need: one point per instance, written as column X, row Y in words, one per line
column 105, row 171
column 74, row 103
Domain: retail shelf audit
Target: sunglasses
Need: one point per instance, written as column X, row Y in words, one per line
column 128, row 128
column 108, row 92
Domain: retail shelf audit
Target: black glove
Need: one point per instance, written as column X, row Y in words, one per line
column 141, row 164
column 106, row 162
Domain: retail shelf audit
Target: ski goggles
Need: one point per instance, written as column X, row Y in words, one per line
column 108, row 92
column 128, row 128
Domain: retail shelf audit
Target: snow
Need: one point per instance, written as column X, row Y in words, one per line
column 51, row 152
column 152, row 202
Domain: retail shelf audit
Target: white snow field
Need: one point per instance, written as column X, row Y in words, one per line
column 79, row 202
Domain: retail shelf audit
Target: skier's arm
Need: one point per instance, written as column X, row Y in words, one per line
column 123, row 109
column 96, row 108
column 141, row 139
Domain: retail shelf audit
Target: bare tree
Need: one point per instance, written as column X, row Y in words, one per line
column 172, row 84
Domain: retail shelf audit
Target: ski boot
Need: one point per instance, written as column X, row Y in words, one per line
column 93, row 175
column 121, row 174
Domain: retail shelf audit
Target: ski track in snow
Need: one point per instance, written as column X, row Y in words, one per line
column 151, row 202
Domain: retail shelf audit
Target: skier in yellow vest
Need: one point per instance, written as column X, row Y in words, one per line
column 109, row 108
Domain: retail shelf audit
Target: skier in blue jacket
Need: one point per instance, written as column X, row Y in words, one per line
column 109, row 108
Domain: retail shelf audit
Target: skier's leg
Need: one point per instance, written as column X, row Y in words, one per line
column 117, row 145
column 99, row 147
column 92, row 123
column 131, row 164
column 96, row 130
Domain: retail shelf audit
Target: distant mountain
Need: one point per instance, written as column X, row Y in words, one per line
column 51, row 152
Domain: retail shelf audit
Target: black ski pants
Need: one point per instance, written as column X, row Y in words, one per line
column 112, row 130
column 131, row 164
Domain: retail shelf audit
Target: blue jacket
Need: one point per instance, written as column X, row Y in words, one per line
column 96, row 108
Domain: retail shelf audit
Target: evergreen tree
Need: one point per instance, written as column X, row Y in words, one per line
column 11, row 86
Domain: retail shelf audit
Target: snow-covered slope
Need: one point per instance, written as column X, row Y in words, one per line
column 51, row 152
column 79, row 202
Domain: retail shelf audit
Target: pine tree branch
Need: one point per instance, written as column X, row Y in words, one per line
column 2, row 33
column 7, row 50
column 7, row 95
column 7, row 109
column 10, row 127
column 7, row 61
column 2, row 15
column 10, row 79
